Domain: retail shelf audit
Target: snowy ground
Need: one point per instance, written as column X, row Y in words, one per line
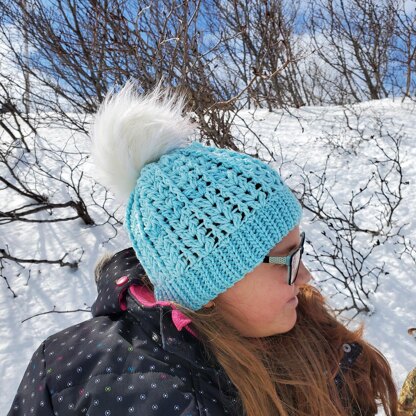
column 50, row 287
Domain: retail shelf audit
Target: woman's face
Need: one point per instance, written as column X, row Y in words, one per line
column 262, row 303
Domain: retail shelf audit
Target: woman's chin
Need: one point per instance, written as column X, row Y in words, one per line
column 291, row 323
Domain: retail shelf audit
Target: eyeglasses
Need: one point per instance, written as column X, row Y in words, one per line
column 292, row 260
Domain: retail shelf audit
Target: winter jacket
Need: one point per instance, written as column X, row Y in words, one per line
column 135, row 356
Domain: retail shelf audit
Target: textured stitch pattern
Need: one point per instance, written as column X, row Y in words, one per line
column 200, row 218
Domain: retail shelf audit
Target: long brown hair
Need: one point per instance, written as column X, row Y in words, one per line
column 293, row 373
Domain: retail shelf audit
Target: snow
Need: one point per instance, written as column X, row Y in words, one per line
column 298, row 136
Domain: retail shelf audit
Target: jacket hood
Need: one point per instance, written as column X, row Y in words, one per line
column 121, row 289
column 123, row 267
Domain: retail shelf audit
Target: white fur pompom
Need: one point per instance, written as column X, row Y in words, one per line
column 131, row 130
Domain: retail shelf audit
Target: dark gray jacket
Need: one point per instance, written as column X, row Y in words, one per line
column 123, row 362
column 128, row 359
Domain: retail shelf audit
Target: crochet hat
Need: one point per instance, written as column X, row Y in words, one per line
column 199, row 218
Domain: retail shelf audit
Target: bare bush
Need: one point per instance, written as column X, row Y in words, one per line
column 404, row 50
column 39, row 183
column 260, row 44
column 354, row 229
column 355, row 40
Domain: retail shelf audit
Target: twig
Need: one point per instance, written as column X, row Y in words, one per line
column 55, row 311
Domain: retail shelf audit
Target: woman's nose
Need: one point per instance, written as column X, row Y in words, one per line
column 304, row 276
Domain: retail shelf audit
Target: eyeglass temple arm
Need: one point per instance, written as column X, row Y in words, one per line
column 277, row 260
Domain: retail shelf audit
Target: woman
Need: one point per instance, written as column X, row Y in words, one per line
column 210, row 311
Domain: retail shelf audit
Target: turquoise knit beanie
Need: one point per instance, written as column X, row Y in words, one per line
column 199, row 218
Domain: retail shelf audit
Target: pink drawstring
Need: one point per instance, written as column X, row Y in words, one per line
column 179, row 319
column 147, row 299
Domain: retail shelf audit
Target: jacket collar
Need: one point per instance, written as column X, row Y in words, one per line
column 120, row 288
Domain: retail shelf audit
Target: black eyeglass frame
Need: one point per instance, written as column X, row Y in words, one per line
column 288, row 260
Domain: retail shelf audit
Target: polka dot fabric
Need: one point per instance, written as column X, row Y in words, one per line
column 201, row 218
column 128, row 359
